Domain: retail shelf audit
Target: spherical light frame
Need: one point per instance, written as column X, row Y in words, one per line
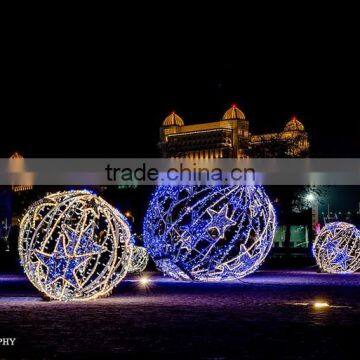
column 73, row 245
column 337, row 248
column 209, row 233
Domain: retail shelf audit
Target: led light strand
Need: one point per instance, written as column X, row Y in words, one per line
column 74, row 246
column 209, row 233
column 139, row 260
column 337, row 248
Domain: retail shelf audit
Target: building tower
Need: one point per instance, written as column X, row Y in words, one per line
column 240, row 125
column 297, row 138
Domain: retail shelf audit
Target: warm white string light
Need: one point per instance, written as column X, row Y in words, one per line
column 139, row 260
column 73, row 245
column 337, row 248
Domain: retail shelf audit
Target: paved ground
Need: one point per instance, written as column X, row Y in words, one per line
column 268, row 314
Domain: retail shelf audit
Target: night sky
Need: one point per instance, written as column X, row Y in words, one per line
column 74, row 90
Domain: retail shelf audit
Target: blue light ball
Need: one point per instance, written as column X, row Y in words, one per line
column 209, row 233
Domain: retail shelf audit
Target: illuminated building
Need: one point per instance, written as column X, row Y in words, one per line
column 229, row 137
column 18, row 188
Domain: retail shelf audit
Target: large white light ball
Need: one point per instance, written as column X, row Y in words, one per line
column 73, row 245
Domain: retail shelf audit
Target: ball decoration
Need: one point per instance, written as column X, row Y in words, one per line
column 139, row 260
column 337, row 248
column 209, row 233
column 73, row 245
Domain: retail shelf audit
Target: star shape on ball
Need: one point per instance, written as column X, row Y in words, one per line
column 187, row 241
column 341, row 258
column 190, row 236
column 330, row 246
column 83, row 244
column 220, row 220
column 67, row 257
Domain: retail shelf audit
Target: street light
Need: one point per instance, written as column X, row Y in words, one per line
column 311, row 200
column 129, row 215
column 310, row 197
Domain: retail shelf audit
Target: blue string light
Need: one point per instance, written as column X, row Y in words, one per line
column 209, row 233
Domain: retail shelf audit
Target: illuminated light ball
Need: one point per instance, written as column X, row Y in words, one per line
column 209, row 233
column 139, row 260
column 73, row 245
column 337, row 248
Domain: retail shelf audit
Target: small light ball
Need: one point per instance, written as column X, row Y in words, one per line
column 337, row 248
column 139, row 260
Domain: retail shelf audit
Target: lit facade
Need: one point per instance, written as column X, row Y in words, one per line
column 229, row 137
column 19, row 188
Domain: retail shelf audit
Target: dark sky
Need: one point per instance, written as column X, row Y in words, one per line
column 84, row 88
column 83, row 85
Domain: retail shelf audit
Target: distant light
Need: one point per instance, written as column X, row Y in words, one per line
column 320, row 305
column 310, row 197
column 234, row 105
column 144, row 281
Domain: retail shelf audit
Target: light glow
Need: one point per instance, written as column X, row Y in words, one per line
column 310, row 197
column 144, row 281
column 321, row 305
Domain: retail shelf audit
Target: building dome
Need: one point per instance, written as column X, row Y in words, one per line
column 16, row 155
column 294, row 125
column 234, row 113
column 173, row 120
